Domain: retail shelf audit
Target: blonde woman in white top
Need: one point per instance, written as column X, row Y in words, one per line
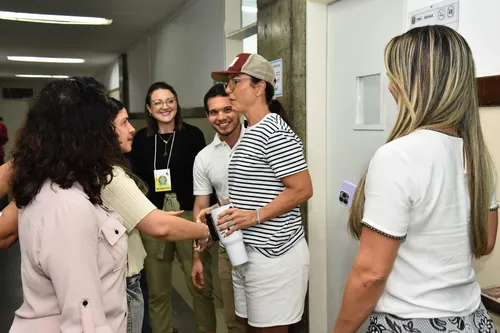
column 426, row 206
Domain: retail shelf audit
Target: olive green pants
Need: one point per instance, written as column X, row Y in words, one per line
column 158, row 265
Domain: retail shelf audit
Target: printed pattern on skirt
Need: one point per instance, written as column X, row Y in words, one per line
column 477, row 322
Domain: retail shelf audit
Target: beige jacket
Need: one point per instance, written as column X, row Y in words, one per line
column 73, row 265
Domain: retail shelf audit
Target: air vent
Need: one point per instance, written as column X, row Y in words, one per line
column 17, row 93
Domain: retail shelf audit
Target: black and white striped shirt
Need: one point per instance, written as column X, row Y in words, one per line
column 268, row 152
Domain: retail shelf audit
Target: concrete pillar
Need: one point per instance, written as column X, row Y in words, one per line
column 281, row 33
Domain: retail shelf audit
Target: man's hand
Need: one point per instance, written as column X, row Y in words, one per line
column 202, row 215
column 176, row 213
column 197, row 274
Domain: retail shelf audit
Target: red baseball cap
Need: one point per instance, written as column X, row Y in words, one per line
column 251, row 64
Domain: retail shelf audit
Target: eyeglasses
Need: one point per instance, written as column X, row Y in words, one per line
column 169, row 102
column 231, row 82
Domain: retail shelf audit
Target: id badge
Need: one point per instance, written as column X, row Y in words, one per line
column 162, row 180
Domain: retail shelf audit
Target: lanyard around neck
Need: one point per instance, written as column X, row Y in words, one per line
column 169, row 155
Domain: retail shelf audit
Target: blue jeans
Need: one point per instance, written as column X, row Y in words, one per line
column 135, row 303
column 146, row 325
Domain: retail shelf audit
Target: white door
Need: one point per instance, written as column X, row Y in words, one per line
column 358, row 31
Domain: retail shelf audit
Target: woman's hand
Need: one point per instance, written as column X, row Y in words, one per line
column 236, row 219
column 205, row 242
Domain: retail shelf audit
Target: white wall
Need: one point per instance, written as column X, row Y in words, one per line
column 188, row 49
column 139, row 74
column 479, row 24
column 232, row 22
column 250, row 44
column 316, row 92
column 110, row 77
column 182, row 52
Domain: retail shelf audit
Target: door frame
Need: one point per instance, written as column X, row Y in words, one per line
column 316, row 154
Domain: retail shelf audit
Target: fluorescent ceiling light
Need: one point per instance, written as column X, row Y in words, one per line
column 54, row 19
column 39, row 76
column 249, row 9
column 47, row 59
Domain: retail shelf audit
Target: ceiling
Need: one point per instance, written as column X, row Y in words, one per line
column 98, row 45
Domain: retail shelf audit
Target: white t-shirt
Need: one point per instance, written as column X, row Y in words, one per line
column 210, row 168
column 416, row 189
column 269, row 152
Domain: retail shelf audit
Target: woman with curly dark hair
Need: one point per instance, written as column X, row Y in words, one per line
column 73, row 250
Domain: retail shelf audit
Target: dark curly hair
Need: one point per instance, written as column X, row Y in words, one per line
column 68, row 137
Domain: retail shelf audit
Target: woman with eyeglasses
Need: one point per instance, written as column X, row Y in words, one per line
column 163, row 155
column 268, row 179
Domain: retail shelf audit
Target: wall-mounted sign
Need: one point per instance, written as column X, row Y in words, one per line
column 278, row 72
column 441, row 13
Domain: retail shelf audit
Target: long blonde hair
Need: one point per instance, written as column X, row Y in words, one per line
column 432, row 71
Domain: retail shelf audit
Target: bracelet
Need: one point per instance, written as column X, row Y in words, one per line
column 208, row 233
column 196, row 243
column 258, row 216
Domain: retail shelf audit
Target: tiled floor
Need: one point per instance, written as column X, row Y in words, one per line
column 10, row 286
column 181, row 287
column 11, row 295
column 182, row 315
